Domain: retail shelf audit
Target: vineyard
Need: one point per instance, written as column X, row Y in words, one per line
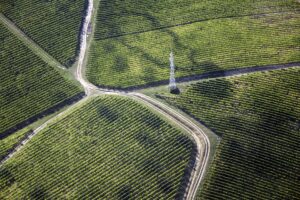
column 117, row 149
column 8, row 143
column 54, row 25
column 118, row 17
column 124, row 143
column 258, row 117
column 201, row 47
column 28, row 86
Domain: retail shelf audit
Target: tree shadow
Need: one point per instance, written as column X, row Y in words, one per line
column 215, row 90
column 38, row 193
column 125, row 192
column 106, row 113
column 165, row 185
column 145, row 140
column 120, row 63
column 6, row 178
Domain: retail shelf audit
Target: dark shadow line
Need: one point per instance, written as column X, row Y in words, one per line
column 192, row 22
column 48, row 111
column 214, row 74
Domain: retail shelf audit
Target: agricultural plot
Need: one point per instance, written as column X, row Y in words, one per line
column 118, row 17
column 258, row 117
column 28, row 87
column 200, row 47
column 54, row 25
column 7, row 144
column 110, row 147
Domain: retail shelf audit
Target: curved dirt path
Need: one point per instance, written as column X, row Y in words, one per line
column 200, row 138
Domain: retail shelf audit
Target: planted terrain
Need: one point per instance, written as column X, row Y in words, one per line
column 201, row 47
column 9, row 143
column 109, row 148
column 29, row 87
column 258, row 117
column 54, row 25
column 118, row 17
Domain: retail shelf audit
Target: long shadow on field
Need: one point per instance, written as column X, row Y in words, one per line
column 6, row 178
column 112, row 26
column 34, row 118
column 38, row 193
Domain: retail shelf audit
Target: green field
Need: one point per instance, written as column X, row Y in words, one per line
column 200, row 47
column 118, row 17
column 28, row 86
column 258, row 117
column 54, row 25
column 108, row 148
column 8, row 143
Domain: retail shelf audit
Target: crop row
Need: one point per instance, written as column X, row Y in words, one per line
column 28, row 85
column 54, row 25
column 109, row 148
column 200, row 47
column 120, row 17
column 258, row 117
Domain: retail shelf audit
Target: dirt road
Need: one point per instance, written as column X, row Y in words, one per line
column 200, row 138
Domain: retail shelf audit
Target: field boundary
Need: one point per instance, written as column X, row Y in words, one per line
column 47, row 111
column 207, row 75
column 200, row 138
column 195, row 21
column 32, row 133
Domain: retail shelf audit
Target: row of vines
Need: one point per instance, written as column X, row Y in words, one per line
column 28, row 85
column 54, row 25
column 109, row 148
column 118, row 17
column 202, row 47
column 258, row 117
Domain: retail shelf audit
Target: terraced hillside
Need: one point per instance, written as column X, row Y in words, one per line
column 115, row 147
column 28, row 87
column 54, row 25
column 258, row 117
column 118, row 17
column 214, row 45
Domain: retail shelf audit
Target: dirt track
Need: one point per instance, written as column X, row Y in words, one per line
column 200, row 138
